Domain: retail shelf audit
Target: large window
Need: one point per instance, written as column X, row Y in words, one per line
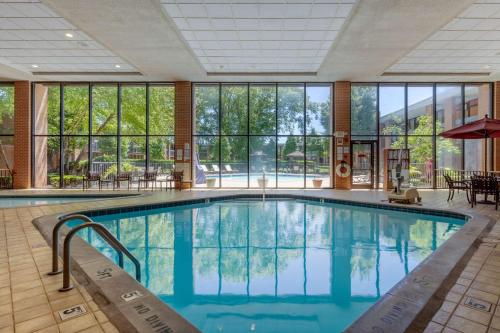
column 6, row 127
column 245, row 132
column 102, row 128
column 412, row 116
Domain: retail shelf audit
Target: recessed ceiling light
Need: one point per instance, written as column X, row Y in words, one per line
column 69, row 35
column 34, row 66
column 118, row 66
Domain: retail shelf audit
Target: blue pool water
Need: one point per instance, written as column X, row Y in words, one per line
column 279, row 266
column 6, row 202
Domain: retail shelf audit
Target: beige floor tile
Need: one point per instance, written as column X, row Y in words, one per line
column 6, row 320
column 433, row 327
column 441, row 317
column 32, row 312
column 9, row 329
column 465, row 325
column 93, row 329
column 448, row 306
column 27, row 285
column 453, row 297
column 35, row 324
column 109, row 328
column 17, row 296
column 100, row 316
column 495, row 322
column 483, row 295
column 5, row 309
column 27, row 303
column 474, row 315
column 77, row 324
column 50, row 329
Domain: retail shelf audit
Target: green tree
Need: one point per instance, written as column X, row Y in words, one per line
column 364, row 110
column 6, row 110
column 419, row 144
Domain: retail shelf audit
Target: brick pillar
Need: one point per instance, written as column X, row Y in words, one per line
column 496, row 115
column 183, row 119
column 342, row 107
column 22, row 134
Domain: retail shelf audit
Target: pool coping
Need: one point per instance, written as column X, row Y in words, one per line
column 407, row 306
column 89, row 196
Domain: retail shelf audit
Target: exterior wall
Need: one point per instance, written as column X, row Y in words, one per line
column 183, row 122
column 22, row 134
column 342, row 114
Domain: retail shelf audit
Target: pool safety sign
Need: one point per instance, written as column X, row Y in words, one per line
column 72, row 312
column 130, row 296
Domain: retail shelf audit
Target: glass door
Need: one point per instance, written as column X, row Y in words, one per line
column 362, row 164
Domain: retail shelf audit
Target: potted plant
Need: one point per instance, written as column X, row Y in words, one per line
column 317, row 182
column 262, row 182
column 211, row 182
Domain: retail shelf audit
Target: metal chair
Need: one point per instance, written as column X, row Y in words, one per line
column 456, row 185
column 122, row 177
column 486, row 186
column 148, row 177
column 90, row 178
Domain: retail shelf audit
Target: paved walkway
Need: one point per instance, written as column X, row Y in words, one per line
column 30, row 301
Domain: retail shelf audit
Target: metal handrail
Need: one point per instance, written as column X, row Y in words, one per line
column 55, row 240
column 111, row 241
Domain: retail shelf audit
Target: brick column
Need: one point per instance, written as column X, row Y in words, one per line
column 22, row 134
column 496, row 115
column 342, row 107
column 183, row 119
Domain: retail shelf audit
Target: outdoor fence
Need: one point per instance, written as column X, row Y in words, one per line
column 460, row 175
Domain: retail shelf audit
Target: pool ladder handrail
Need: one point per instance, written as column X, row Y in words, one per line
column 102, row 231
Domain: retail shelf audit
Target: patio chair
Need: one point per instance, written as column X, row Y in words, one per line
column 456, row 185
column 216, row 168
column 177, row 178
column 486, row 186
column 148, row 177
column 122, row 177
column 91, row 177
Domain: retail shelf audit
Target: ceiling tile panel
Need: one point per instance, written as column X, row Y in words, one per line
column 265, row 35
column 31, row 34
column 470, row 42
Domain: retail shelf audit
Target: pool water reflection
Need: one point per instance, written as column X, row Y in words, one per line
column 278, row 266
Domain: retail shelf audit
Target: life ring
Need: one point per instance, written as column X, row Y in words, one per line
column 343, row 169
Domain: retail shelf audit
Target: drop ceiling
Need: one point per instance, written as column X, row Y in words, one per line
column 469, row 43
column 34, row 38
column 236, row 40
column 261, row 36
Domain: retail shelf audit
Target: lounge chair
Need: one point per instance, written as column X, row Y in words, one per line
column 204, row 168
column 216, row 168
column 229, row 169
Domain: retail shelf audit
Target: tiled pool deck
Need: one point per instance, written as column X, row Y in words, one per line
column 30, row 300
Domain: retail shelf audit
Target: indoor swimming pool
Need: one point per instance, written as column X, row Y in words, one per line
column 283, row 265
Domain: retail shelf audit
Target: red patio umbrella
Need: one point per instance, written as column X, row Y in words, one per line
column 480, row 129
